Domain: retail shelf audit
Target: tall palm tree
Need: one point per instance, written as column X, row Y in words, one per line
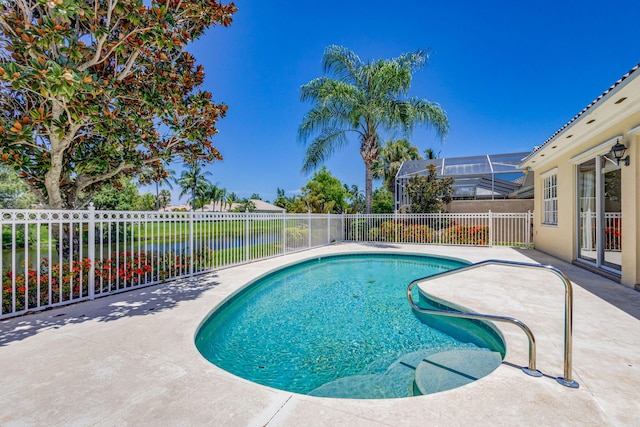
column 363, row 98
column 193, row 180
column 392, row 155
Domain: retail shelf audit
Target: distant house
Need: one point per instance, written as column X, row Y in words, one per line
column 587, row 203
column 176, row 208
column 261, row 207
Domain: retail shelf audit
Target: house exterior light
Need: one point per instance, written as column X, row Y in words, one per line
column 617, row 151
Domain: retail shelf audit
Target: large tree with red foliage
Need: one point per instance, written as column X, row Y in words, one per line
column 94, row 89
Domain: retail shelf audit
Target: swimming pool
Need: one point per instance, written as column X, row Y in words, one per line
column 336, row 326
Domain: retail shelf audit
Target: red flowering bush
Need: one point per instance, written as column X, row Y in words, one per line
column 31, row 289
column 466, row 235
column 126, row 268
column 388, row 231
column 417, row 234
column 48, row 285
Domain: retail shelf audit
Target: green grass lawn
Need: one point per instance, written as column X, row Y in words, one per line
column 149, row 231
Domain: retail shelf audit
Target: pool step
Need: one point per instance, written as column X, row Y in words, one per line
column 396, row 381
column 420, row 372
column 372, row 386
column 451, row 369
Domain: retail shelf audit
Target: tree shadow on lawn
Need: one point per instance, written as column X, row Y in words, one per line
column 136, row 302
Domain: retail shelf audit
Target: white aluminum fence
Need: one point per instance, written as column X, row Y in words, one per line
column 489, row 229
column 52, row 258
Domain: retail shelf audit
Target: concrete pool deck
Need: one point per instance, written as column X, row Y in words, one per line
column 130, row 359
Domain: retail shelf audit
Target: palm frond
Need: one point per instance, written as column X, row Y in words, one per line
column 342, row 63
column 322, row 147
column 413, row 61
column 430, row 114
column 321, row 118
column 328, row 92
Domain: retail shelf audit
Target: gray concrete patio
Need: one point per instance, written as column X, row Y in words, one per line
column 130, row 359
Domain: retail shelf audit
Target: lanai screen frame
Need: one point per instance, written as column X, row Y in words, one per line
column 487, row 165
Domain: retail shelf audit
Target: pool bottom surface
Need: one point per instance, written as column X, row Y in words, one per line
column 338, row 326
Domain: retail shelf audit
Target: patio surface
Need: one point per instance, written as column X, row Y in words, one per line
column 130, row 359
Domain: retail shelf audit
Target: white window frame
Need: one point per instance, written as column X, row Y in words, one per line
column 550, row 199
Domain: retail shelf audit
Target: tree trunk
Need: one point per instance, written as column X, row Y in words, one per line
column 368, row 184
column 67, row 241
column 370, row 151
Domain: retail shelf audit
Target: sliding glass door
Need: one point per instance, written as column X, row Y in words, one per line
column 599, row 233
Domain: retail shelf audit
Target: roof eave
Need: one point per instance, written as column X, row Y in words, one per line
column 607, row 94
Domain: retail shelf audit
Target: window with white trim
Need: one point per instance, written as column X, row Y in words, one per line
column 550, row 200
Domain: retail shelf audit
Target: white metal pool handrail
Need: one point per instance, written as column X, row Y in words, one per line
column 568, row 317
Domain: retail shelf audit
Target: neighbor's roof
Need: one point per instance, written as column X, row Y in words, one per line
column 586, row 109
column 261, row 206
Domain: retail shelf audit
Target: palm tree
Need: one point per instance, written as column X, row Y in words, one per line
column 363, row 98
column 215, row 194
column 392, row 155
column 159, row 175
column 281, row 199
column 231, row 199
column 193, row 180
column 357, row 198
column 430, row 154
column 164, row 198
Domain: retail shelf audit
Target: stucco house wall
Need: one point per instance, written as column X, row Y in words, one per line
column 613, row 117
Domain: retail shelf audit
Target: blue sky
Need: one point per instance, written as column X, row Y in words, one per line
column 508, row 74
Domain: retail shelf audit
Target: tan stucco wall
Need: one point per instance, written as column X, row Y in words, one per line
column 560, row 240
column 497, row 206
column 631, row 229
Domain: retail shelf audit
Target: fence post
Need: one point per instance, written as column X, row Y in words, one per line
column 191, row 241
column 395, row 226
column 344, row 225
column 329, row 228
column 528, row 228
column 309, row 227
column 490, row 228
column 357, row 235
column 284, row 232
column 246, row 236
column 91, row 251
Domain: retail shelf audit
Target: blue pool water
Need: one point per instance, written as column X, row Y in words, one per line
column 310, row 327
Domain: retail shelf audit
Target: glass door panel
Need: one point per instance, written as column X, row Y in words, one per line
column 600, row 214
column 587, row 244
column 612, row 249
